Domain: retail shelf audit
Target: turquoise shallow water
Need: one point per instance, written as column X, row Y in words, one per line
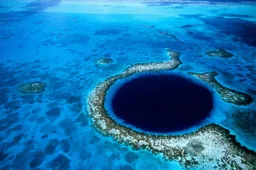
column 59, row 42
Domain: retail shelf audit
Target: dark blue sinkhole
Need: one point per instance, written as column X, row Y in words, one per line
column 162, row 103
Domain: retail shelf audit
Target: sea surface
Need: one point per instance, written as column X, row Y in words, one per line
column 60, row 43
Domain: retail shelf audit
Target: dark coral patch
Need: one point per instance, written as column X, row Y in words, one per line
column 17, row 128
column 68, row 126
column 186, row 26
column 169, row 35
column 35, row 163
column 44, row 136
column 235, row 15
column 37, row 160
column 173, row 4
column 241, row 30
column 32, row 88
column 126, row 167
column 53, row 112
column 13, row 105
column 77, row 38
column 76, row 108
column 9, row 121
column 17, row 139
column 51, row 146
column 104, row 61
column 73, row 99
column 61, row 162
column 82, row 119
column 131, row 157
column 36, row 110
column 3, row 97
column 38, row 5
column 3, row 155
column 219, row 53
column 149, row 26
column 65, row 145
column 197, row 35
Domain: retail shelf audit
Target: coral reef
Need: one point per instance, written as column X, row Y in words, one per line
column 228, row 95
column 32, row 87
column 211, row 147
column 169, row 35
column 104, row 61
column 149, row 26
column 219, row 53
column 222, row 152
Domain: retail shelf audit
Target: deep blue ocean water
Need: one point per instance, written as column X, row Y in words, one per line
column 59, row 43
column 162, row 103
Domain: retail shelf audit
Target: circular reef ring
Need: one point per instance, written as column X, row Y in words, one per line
column 210, row 147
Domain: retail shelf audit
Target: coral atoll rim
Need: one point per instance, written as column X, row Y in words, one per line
column 227, row 94
column 210, row 147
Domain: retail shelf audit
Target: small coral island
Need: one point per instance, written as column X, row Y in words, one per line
column 32, row 87
column 210, row 147
column 104, row 61
column 219, row 53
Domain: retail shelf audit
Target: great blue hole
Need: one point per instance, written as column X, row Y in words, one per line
column 162, row 103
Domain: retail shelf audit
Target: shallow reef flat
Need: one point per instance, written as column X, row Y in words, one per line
column 210, row 147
